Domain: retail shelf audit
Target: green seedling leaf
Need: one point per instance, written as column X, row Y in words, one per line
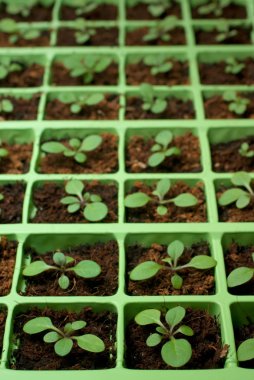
column 185, row 200
column 1, row 197
column 91, row 142
column 59, row 259
column 87, row 269
column 240, row 276
column 175, row 250
column 63, row 346
column 156, row 159
column 78, row 325
column 246, row 350
column 162, row 188
column 175, row 315
column 96, row 211
column 37, row 325
column 36, row 268
column 230, row 196
column 185, row 330
column 136, row 200
column 153, row 340
column 64, row 282
column 148, row 317
column 202, row 262
column 241, row 179
column 91, row 343
column 74, row 187
column 176, row 281
column 161, row 210
column 245, row 150
column 159, row 106
column 176, row 352
column 145, row 270
column 53, row 147
column 52, row 337
column 164, row 138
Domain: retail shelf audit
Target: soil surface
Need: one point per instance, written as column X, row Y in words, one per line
column 148, row 214
column 107, row 109
column 138, row 73
column 140, row 12
column 176, row 109
column 102, row 12
column 195, row 282
column 18, row 159
column 2, row 326
column 232, row 11
column 242, row 37
column 61, row 76
column 226, row 158
column 49, row 209
column 104, row 159
column 23, row 109
column 207, row 349
column 34, row 354
column 37, row 13
column 138, row 152
column 214, row 73
column 104, row 254
column 8, row 251
column 217, row 108
column 29, row 76
column 12, row 204
column 241, row 334
column 42, row 40
column 66, row 37
column 135, row 37
column 240, row 256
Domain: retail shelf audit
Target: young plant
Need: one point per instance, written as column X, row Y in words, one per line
column 245, row 150
column 153, row 102
column 79, row 101
column 64, row 338
column 237, row 104
column 241, row 275
column 140, row 199
column 6, row 106
column 161, row 150
column 213, row 6
column 77, row 149
column 159, row 64
column 233, row 66
column 161, row 31
column 176, row 352
column 175, row 250
column 84, row 269
column 225, row 32
column 24, row 7
column 7, row 66
column 246, row 350
column 157, row 7
column 82, row 7
column 94, row 210
column 241, row 197
column 11, row 27
column 83, row 32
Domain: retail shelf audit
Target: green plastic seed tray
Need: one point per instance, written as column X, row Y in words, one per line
column 230, row 309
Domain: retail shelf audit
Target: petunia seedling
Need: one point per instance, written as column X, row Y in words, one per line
column 233, row 66
column 175, row 250
column 246, row 350
column 7, row 66
column 82, row 7
column 11, row 27
column 225, row 32
column 6, row 106
column 161, row 150
column 241, row 275
column 236, row 103
column 213, row 6
column 140, row 199
column 83, row 32
column 176, row 352
column 24, row 7
column 240, row 197
column 94, row 210
column 63, row 265
column 77, row 148
column 159, row 64
column 79, row 101
column 64, row 338
column 161, row 31
column 245, row 150
column 153, row 102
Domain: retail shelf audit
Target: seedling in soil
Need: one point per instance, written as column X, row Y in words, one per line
column 149, row 269
column 64, row 339
column 161, row 31
column 245, row 150
column 213, row 6
column 159, row 64
column 152, row 101
column 140, row 199
column 92, row 206
column 242, row 197
column 82, row 7
column 7, row 66
column 155, row 7
column 175, row 352
column 24, row 7
column 6, row 106
column 240, row 276
column 79, row 101
column 246, row 350
column 84, row 269
column 161, row 149
column 87, row 66
column 233, row 66
column 237, row 104
column 83, row 33
column 77, row 149
column 10, row 26
column 3, row 152
column 225, row 32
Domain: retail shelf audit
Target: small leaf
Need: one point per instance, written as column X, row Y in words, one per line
column 69, row 200
column 175, row 315
column 73, row 208
column 161, row 210
column 87, row 269
column 145, row 270
column 94, row 212
column 77, row 325
column 243, row 201
column 240, row 276
column 202, row 262
column 176, row 281
column 163, row 187
column 59, row 259
column 246, row 350
column 63, row 346
column 173, row 151
column 94, row 99
column 241, row 179
column 80, row 157
column 230, row 196
column 185, row 200
column 148, row 317
column 185, row 330
column 95, row 198
column 63, row 282
column 156, row 159
column 37, row 325
column 51, row 337
column 153, row 340
column 90, row 342
column 74, row 187
column 53, row 147
column 75, row 108
column 177, row 352
column 175, row 249
column 136, row 200
column 159, row 106
column 164, row 138
column 90, row 143
column 36, row 268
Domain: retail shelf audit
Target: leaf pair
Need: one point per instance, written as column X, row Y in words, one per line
column 245, row 150
column 152, row 102
column 161, row 31
column 161, row 149
column 7, row 66
column 159, row 63
column 237, row 104
column 242, row 198
column 233, row 66
column 79, row 101
column 83, row 32
column 225, row 32
column 214, row 6
column 81, row 6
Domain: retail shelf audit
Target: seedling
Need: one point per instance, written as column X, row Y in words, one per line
column 175, row 250
column 225, row 32
column 213, row 6
column 79, row 101
column 10, row 27
column 159, row 64
column 77, row 149
column 87, row 66
column 64, row 339
column 82, row 6
column 84, row 269
column 153, row 102
column 7, row 66
column 91, row 205
column 241, row 275
column 83, row 33
column 237, row 104
column 140, row 199
column 233, row 66
column 175, row 352
column 242, row 197
column 161, row 31
column 6, row 106
column 246, row 350
column 24, row 7
column 3, row 152
column 161, row 149
column 245, row 150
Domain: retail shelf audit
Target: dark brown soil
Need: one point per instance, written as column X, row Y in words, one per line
column 138, row 152
column 42, row 40
column 102, row 160
column 140, row 12
column 105, row 110
column 240, row 256
column 104, row 254
column 24, row 109
column 103, row 37
column 217, row 108
column 138, row 73
column 241, row 334
column 18, row 159
column 102, row 12
column 226, row 158
column 242, row 37
column 2, row 326
column 195, row 282
column 38, row 13
column 214, row 73
column 34, row 354
column 29, row 76
column 61, row 76
column 232, row 11
column 177, row 109
column 207, row 349
column 135, row 37
column 12, row 204
column 8, row 251
column 49, row 209
column 148, row 214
